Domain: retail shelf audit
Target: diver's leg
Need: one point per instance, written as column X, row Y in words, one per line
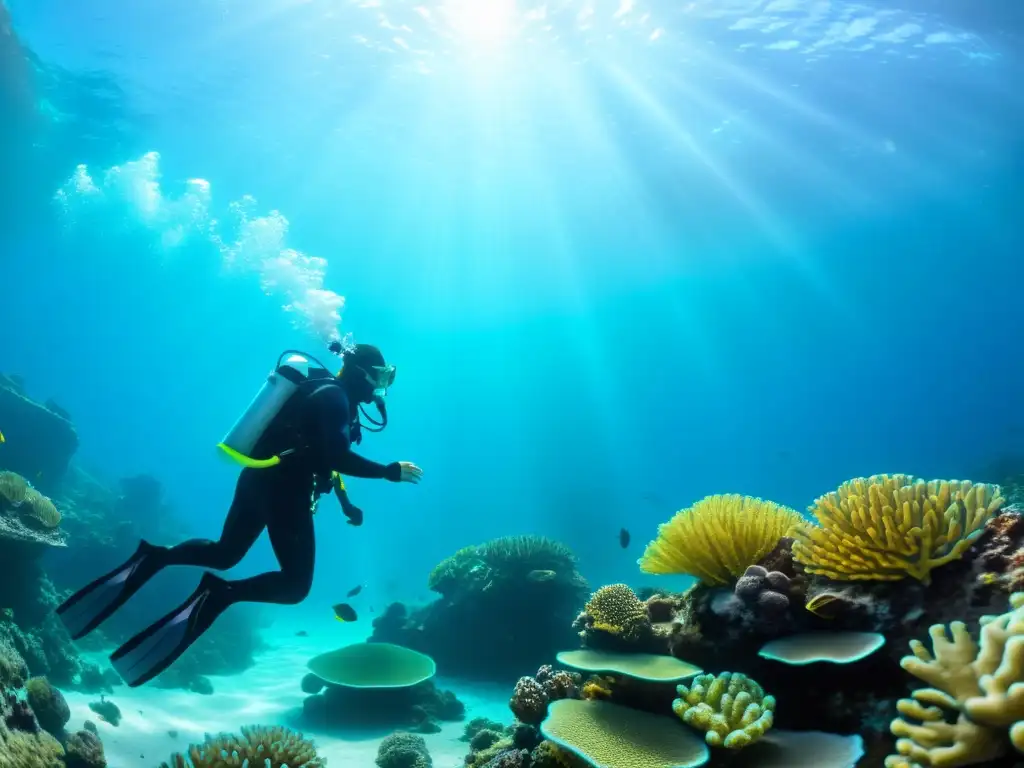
column 290, row 524
column 93, row 604
column 246, row 520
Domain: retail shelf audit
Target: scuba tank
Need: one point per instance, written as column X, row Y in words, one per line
column 283, row 382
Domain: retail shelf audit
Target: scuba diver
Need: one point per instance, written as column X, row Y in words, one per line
column 303, row 423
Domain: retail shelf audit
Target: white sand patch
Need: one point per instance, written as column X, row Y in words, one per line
column 267, row 694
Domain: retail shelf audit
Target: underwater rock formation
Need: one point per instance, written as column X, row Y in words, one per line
column 29, row 528
column 39, row 438
column 417, row 707
column 516, row 595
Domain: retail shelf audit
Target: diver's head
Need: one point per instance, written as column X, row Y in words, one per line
column 365, row 374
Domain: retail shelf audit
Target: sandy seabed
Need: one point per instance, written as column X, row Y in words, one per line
column 266, row 694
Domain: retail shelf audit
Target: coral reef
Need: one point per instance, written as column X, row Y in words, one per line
column 492, row 591
column 718, row 537
column 272, row 747
column 823, row 636
column 403, row 750
column 33, row 716
column 889, row 527
column 731, row 708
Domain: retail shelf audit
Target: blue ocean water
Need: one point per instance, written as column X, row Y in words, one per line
column 623, row 253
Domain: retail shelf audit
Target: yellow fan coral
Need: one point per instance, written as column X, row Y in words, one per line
column 718, row 537
column 731, row 708
column 274, row 747
column 888, row 527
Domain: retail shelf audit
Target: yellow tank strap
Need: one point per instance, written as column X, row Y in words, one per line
column 336, row 478
column 248, row 461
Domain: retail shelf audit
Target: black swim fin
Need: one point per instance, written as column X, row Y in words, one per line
column 158, row 646
column 96, row 601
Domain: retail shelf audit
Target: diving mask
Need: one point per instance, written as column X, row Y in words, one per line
column 380, row 377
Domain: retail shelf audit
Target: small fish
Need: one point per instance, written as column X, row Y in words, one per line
column 302, row 633
column 2, row 438
column 344, row 612
column 355, row 591
column 819, row 605
column 623, row 538
column 541, row 575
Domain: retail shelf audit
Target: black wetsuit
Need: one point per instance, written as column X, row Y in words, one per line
column 319, row 426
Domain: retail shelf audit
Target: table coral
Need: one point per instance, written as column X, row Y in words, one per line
column 718, row 537
column 889, row 527
column 731, row 708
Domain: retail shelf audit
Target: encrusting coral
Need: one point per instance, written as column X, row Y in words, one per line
column 21, row 749
column 731, row 708
column 718, row 537
column 983, row 689
column 273, row 747
column 889, row 527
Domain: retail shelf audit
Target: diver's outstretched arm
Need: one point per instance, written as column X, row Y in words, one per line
column 335, row 442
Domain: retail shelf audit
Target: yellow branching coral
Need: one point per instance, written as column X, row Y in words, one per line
column 731, row 708
column 273, row 747
column 975, row 694
column 888, row 527
column 617, row 610
column 718, row 537
column 18, row 492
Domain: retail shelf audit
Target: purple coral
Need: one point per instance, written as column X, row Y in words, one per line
column 772, row 603
column 529, row 702
column 778, row 582
column 767, row 590
column 751, row 583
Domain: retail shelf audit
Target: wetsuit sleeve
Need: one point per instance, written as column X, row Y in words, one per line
column 330, row 438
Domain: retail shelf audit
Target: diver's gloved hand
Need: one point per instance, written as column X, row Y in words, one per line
column 403, row 472
column 352, row 512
